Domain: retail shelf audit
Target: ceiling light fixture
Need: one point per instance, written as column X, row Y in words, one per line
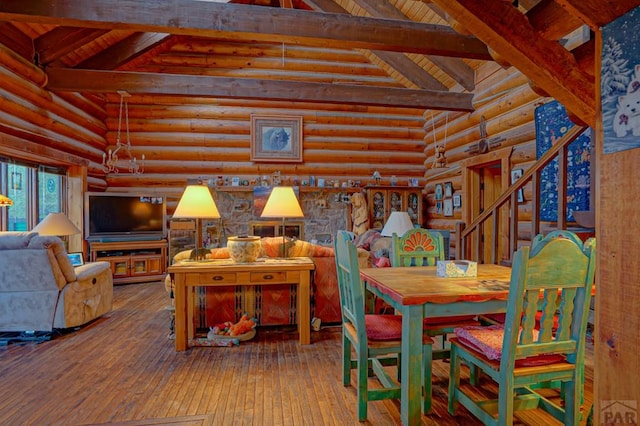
column 110, row 162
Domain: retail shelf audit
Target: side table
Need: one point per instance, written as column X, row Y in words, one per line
column 224, row 272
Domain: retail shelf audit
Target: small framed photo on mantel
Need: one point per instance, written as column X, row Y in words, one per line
column 276, row 138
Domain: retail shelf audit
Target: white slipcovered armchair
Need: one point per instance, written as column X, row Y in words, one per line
column 40, row 290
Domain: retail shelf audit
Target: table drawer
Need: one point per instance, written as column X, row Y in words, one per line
column 266, row 277
column 218, row 278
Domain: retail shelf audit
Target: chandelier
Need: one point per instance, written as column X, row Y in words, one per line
column 109, row 162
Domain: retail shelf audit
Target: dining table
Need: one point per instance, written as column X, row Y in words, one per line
column 418, row 293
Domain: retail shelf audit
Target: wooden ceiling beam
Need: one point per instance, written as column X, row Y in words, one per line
column 549, row 65
column 399, row 61
column 126, row 50
column 410, row 70
column 455, row 67
column 249, row 23
column 16, row 40
column 65, row 79
column 56, row 43
column 597, row 13
column 551, row 20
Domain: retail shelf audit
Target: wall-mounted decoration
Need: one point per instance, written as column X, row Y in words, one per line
column 16, row 181
column 439, row 191
column 620, row 83
column 276, row 138
column 515, row 175
column 457, row 200
column 552, row 123
column 447, row 206
column 448, row 189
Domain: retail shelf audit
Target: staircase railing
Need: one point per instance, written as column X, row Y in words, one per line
column 469, row 238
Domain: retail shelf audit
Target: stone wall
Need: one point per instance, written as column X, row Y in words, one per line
column 325, row 212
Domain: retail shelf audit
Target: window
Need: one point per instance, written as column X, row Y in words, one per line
column 35, row 190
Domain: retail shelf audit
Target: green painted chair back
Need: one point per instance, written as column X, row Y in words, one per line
column 417, row 247
column 554, row 277
column 350, row 286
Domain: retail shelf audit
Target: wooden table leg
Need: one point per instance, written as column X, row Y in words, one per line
column 304, row 314
column 411, row 370
column 179, row 293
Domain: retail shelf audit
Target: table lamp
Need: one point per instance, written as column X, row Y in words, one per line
column 282, row 203
column 197, row 203
column 398, row 223
column 56, row 224
column 5, row 201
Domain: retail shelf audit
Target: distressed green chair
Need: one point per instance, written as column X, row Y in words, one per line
column 422, row 247
column 554, row 277
column 375, row 339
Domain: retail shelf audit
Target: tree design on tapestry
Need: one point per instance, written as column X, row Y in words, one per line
column 552, row 123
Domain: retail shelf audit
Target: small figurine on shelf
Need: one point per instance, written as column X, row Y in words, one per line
column 376, row 176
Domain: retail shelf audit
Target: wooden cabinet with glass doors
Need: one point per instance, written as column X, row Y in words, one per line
column 383, row 200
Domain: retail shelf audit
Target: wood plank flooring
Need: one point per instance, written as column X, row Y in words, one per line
column 122, row 369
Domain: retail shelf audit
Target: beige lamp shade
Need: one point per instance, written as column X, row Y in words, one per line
column 282, row 203
column 57, row 224
column 5, row 201
column 398, row 223
column 197, row 202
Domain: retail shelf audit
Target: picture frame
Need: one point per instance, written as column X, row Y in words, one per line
column 76, row 258
column 515, row 175
column 457, row 200
column 447, row 207
column 276, row 138
column 439, row 191
column 448, row 189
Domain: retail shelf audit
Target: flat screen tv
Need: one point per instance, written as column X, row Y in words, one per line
column 111, row 216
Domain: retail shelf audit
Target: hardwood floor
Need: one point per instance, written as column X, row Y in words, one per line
column 122, row 369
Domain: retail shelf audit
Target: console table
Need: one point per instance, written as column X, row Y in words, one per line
column 224, row 272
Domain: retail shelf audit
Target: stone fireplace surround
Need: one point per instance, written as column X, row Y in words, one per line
column 326, row 210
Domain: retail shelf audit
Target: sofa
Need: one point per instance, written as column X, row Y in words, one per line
column 274, row 304
column 40, row 290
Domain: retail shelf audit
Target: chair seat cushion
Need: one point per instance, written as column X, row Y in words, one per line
column 488, row 341
column 383, row 327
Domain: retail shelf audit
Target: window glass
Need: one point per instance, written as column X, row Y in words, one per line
column 35, row 191
column 18, row 214
column 50, row 194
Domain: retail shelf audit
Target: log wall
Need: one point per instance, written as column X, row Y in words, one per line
column 186, row 139
column 506, row 102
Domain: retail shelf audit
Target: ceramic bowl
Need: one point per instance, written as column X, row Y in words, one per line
column 244, row 249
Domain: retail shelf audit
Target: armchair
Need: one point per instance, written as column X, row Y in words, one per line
column 40, row 290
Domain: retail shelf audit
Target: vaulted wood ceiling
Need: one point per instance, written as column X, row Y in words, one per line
column 406, row 53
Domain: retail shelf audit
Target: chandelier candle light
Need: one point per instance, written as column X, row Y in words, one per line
column 109, row 163
column 282, row 203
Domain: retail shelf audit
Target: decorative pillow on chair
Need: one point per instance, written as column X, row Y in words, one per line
column 488, row 341
column 383, row 327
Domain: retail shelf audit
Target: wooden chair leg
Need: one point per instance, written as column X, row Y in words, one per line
column 363, row 376
column 454, row 380
column 427, row 375
column 346, row 360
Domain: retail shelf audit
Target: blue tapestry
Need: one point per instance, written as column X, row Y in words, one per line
column 620, row 83
column 552, row 123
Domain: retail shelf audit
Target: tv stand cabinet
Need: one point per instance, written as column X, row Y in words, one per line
column 132, row 261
